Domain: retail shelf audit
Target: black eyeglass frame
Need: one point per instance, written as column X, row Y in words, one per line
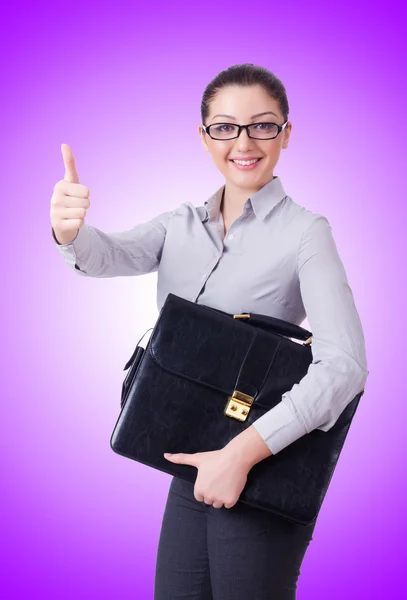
column 240, row 127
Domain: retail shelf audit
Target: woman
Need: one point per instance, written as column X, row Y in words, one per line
column 250, row 247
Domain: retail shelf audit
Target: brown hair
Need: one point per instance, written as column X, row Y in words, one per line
column 246, row 74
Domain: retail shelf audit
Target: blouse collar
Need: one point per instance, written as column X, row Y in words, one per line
column 262, row 201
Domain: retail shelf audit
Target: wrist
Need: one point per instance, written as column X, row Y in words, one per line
column 249, row 447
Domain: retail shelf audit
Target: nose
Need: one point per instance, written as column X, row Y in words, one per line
column 243, row 142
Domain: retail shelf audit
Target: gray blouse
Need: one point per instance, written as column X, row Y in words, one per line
column 279, row 259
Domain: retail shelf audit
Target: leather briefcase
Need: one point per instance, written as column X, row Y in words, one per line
column 206, row 375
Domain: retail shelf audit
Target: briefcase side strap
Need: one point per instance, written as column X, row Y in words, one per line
column 133, row 356
column 131, row 374
column 277, row 326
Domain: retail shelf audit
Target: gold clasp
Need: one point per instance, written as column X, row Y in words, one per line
column 308, row 341
column 238, row 405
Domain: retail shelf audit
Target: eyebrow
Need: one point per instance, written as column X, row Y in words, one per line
column 269, row 112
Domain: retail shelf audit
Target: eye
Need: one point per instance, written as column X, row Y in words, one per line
column 264, row 126
column 223, row 128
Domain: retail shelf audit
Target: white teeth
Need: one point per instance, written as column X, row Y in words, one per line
column 246, row 162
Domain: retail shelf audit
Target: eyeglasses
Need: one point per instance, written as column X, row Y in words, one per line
column 257, row 131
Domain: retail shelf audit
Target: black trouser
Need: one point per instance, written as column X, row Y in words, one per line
column 238, row 553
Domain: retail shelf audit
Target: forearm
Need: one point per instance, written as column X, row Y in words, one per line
column 249, row 447
column 135, row 251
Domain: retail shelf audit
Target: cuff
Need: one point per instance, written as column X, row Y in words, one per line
column 279, row 427
column 80, row 243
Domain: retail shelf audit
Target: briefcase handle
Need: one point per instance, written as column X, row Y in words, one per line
column 277, row 326
column 272, row 323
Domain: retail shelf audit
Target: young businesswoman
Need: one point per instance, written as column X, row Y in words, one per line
column 249, row 247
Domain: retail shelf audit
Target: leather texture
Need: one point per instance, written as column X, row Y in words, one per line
column 175, row 392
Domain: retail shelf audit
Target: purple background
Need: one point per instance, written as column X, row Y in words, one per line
column 78, row 520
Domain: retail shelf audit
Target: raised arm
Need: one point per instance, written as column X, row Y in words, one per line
column 88, row 250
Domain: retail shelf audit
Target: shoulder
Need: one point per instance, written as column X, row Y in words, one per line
column 316, row 241
column 304, row 218
column 189, row 210
column 183, row 212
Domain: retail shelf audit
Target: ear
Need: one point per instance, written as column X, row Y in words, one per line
column 287, row 132
column 202, row 135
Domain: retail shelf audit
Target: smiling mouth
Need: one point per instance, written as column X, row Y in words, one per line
column 245, row 163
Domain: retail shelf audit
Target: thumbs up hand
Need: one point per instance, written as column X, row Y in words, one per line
column 69, row 201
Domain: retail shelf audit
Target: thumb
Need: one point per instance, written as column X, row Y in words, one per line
column 183, row 458
column 69, row 163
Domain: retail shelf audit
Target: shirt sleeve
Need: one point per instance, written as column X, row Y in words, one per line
column 136, row 251
column 339, row 368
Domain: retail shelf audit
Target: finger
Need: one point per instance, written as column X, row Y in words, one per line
column 73, row 189
column 199, row 497
column 182, row 458
column 74, row 212
column 71, row 174
column 172, row 457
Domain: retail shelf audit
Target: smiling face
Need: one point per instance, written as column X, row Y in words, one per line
column 242, row 104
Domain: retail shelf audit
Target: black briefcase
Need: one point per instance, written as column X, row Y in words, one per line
column 206, row 375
